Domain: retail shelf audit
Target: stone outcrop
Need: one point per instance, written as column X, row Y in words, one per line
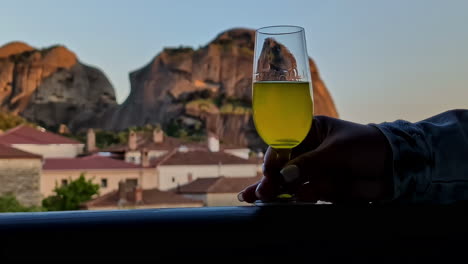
column 212, row 83
column 207, row 88
column 51, row 86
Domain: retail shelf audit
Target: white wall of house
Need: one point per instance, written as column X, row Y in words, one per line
column 146, row 178
column 223, row 199
column 169, row 176
column 52, row 150
column 134, row 156
column 240, row 170
column 241, row 153
column 156, row 153
column 198, row 197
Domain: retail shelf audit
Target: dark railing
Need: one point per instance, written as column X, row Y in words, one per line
column 288, row 234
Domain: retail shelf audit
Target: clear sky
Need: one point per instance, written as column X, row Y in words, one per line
column 381, row 60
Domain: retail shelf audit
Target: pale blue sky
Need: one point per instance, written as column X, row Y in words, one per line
column 381, row 60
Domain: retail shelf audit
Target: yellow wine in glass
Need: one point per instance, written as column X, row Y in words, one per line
column 282, row 112
column 281, row 90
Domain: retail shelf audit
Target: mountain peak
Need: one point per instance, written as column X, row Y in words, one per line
column 194, row 92
column 59, row 56
column 14, row 47
column 242, row 37
column 49, row 86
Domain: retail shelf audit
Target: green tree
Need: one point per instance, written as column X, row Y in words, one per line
column 9, row 203
column 71, row 196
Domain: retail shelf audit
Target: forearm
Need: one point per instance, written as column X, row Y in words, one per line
column 430, row 158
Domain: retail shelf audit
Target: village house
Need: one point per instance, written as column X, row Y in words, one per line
column 63, row 161
column 153, row 163
column 178, row 162
column 184, row 165
column 41, row 142
column 217, row 191
column 20, row 175
column 105, row 171
column 130, row 197
column 156, row 144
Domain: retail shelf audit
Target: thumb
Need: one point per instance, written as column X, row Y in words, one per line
column 306, row 168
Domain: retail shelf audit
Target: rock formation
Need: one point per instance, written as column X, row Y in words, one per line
column 181, row 88
column 212, row 83
column 51, row 86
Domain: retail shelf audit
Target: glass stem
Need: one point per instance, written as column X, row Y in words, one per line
column 283, row 155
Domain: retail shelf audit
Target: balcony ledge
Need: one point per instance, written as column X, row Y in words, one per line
column 323, row 233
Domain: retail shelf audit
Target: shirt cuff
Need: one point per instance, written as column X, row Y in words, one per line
column 411, row 175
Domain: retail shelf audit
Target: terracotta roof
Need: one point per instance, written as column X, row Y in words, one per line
column 151, row 197
column 203, row 157
column 217, row 185
column 7, row 152
column 28, row 135
column 88, row 162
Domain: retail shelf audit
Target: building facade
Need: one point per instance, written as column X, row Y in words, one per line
column 128, row 197
column 218, row 191
column 182, row 167
column 41, row 142
column 20, row 175
column 105, row 171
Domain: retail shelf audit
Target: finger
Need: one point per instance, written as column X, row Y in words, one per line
column 272, row 164
column 248, row 194
column 323, row 176
column 267, row 190
column 310, row 167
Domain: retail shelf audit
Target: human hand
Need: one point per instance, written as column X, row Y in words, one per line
column 339, row 162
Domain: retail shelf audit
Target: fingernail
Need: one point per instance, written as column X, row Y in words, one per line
column 290, row 173
column 240, row 197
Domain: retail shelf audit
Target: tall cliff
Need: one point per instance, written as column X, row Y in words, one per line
column 51, row 86
column 211, row 84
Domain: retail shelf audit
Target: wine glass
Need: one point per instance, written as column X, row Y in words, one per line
column 282, row 91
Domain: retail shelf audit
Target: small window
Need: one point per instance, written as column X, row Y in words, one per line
column 64, row 182
column 103, row 183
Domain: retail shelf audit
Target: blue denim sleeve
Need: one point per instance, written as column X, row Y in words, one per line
column 430, row 158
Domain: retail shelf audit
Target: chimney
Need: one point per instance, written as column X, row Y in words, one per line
column 63, row 129
column 144, row 158
column 122, row 193
column 132, row 140
column 158, row 135
column 213, row 142
column 90, row 140
column 138, row 195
